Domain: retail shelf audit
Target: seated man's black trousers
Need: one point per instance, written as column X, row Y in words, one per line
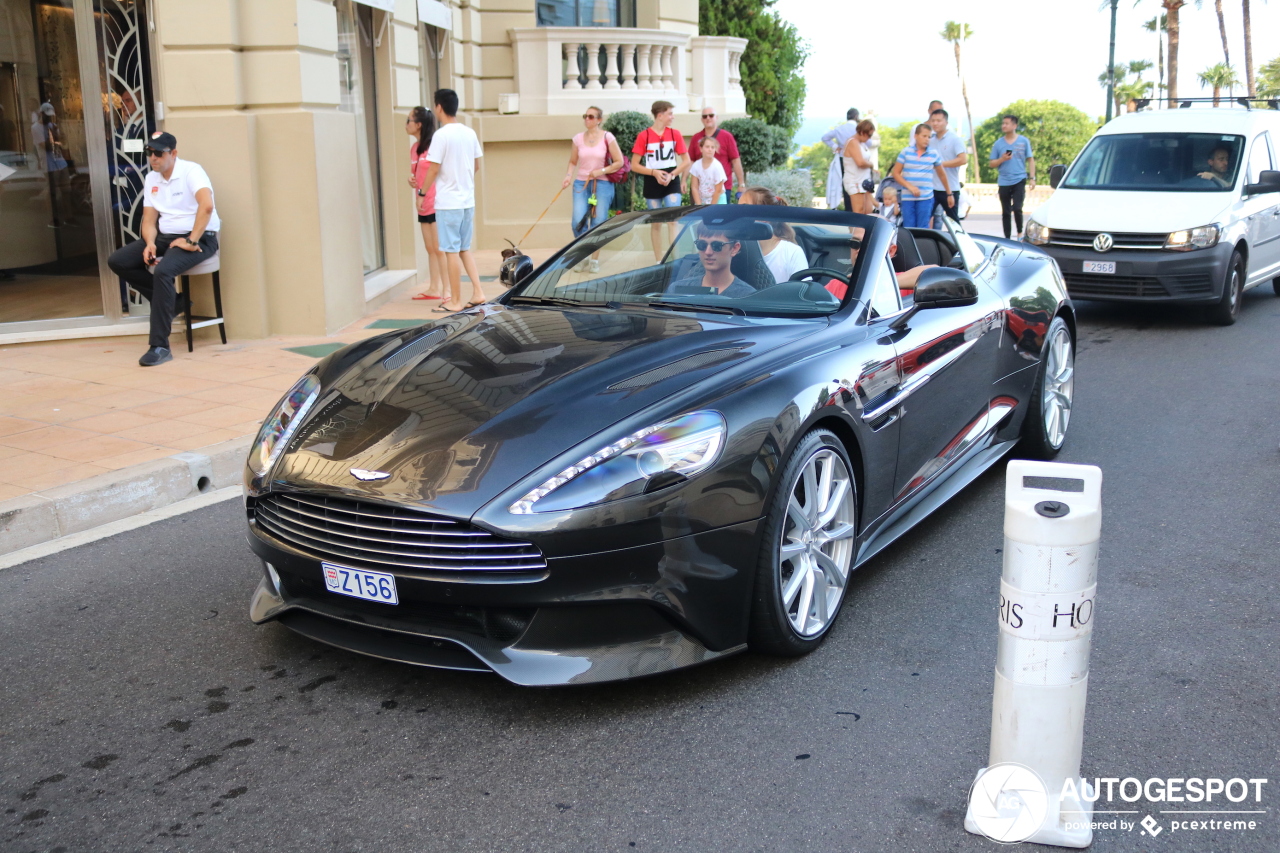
column 157, row 286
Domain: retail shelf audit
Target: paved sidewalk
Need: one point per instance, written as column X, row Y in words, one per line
column 75, row 410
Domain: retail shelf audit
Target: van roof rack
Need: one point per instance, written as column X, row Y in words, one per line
column 1141, row 104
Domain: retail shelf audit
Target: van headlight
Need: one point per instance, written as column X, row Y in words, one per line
column 283, row 422
column 656, row 456
column 1036, row 234
column 1187, row 239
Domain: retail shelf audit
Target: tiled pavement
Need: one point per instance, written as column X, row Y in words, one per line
column 70, row 410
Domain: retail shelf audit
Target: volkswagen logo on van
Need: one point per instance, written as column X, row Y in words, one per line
column 1103, row 242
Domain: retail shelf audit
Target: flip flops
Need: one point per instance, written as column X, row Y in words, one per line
column 427, row 296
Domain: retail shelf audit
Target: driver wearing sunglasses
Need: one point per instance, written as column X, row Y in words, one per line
column 716, row 250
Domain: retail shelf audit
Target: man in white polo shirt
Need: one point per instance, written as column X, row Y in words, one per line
column 179, row 230
column 453, row 160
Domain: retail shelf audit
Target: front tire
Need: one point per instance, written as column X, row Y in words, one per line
column 1044, row 430
column 1227, row 310
column 809, row 545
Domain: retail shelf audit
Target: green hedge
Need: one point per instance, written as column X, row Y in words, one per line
column 762, row 146
column 794, row 185
column 626, row 125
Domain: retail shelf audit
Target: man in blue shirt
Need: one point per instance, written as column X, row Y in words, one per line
column 1011, row 156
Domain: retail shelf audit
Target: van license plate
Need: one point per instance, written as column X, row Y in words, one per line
column 358, row 583
column 1108, row 267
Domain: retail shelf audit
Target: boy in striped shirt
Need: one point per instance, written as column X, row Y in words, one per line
column 919, row 171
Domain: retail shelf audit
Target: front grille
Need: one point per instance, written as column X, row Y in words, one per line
column 381, row 535
column 1139, row 287
column 1126, row 240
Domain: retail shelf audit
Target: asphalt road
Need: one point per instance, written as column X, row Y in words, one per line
column 141, row 709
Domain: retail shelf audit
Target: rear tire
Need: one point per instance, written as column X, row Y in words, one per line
column 1227, row 309
column 809, row 544
column 1044, row 430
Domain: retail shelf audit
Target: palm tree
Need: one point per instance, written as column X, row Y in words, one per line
column 1137, row 66
column 1115, row 80
column 1248, row 47
column 956, row 33
column 1171, row 8
column 1158, row 25
column 1222, row 30
column 1269, row 79
column 1219, row 77
column 1127, row 93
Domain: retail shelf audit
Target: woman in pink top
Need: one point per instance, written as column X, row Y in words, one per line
column 587, row 172
column 421, row 125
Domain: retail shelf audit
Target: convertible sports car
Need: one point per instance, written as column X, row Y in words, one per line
column 665, row 445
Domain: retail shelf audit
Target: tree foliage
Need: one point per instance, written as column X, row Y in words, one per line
column 817, row 159
column 1057, row 132
column 794, row 185
column 1269, row 79
column 762, row 146
column 773, row 62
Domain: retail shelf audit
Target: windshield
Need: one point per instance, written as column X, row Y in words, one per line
column 1158, row 162
column 744, row 259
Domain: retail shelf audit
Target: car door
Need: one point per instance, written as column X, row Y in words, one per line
column 946, row 360
column 1262, row 215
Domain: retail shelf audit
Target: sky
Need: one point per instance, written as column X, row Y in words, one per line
column 865, row 56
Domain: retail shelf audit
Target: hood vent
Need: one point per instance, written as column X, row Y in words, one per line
column 684, row 365
column 409, row 352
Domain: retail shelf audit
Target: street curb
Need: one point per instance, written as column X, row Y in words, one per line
column 44, row 516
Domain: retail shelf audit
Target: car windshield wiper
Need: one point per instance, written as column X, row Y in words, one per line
column 692, row 306
column 561, row 301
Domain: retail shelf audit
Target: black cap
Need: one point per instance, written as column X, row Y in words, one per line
column 161, row 141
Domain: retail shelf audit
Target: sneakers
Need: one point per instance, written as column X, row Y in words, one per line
column 154, row 356
column 593, row 265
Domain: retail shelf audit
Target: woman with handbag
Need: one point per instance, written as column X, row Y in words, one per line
column 593, row 157
column 858, row 182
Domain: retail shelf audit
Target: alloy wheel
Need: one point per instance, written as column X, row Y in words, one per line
column 1059, row 384
column 817, row 543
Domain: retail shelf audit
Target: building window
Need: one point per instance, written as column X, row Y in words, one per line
column 357, row 91
column 586, row 13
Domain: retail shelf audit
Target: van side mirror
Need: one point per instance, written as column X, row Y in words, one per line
column 1056, row 171
column 1268, row 182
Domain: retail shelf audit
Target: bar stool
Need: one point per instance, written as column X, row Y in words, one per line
column 212, row 265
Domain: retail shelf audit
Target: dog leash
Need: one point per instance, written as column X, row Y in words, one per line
column 539, row 219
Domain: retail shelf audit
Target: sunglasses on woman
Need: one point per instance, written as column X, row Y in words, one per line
column 716, row 245
column 590, row 115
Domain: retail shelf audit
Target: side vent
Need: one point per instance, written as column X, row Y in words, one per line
column 684, row 365
column 412, row 350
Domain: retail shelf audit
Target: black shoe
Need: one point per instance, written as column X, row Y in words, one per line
column 154, row 356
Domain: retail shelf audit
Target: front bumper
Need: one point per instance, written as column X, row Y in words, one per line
column 1145, row 275
column 592, row 618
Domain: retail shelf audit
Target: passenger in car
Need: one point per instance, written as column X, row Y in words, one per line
column 1219, row 167
column 906, row 279
column 781, row 254
column 716, row 250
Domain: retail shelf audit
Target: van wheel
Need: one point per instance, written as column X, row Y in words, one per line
column 1227, row 309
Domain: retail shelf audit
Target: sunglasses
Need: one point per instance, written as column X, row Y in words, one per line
column 708, row 115
column 716, row 245
column 591, row 115
column 152, row 152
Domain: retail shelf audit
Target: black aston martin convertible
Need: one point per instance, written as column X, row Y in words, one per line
column 671, row 442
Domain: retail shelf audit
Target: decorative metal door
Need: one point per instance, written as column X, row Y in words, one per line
column 124, row 60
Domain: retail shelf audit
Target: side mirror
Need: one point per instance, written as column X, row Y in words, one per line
column 940, row 287
column 1269, row 182
column 1056, row 172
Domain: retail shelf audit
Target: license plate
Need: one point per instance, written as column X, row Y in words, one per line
column 359, row 583
column 1108, row 267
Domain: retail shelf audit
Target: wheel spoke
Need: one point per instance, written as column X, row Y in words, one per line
column 842, row 530
column 834, row 576
column 793, row 583
column 824, row 488
column 834, row 503
column 797, row 513
column 805, row 601
column 791, row 549
column 810, row 493
column 822, row 593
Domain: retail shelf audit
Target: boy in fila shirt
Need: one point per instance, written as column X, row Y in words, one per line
column 179, row 230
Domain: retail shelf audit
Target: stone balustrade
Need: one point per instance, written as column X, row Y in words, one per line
column 563, row 70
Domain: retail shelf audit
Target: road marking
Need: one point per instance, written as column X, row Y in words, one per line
column 75, row 540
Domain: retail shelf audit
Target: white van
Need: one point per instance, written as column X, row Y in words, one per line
column 1179, row 205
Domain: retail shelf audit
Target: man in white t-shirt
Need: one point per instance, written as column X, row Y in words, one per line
column 454, row 159
column 179, row 230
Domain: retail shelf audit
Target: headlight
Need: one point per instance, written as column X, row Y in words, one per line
column 669, row 451
column 282, row 424
column 1193, row 238
column 1036, row 233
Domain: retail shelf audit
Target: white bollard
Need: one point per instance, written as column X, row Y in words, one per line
column 1052, row 524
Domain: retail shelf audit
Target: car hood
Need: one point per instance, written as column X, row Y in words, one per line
column 1130, row 212
column 502, row 391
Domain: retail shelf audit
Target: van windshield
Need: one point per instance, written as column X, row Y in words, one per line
column 1158, row 162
